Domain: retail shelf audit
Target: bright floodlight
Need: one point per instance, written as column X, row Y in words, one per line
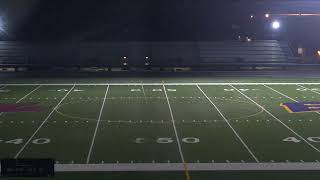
column 267, row 15
column 276, row 25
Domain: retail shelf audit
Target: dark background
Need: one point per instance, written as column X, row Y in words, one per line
column 157, row 20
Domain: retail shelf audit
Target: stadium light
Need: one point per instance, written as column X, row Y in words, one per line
column 267, row 15
column 318, row 52
column 276, row 25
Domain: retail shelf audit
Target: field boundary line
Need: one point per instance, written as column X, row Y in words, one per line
column 158, row 84
column 23, row 96
column 227, row 121
column 45, row 120
column 186, row 169
column 97, row 126
column 285, row 95
column 285, row 125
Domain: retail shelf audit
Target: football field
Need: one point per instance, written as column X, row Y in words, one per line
column 163, row 126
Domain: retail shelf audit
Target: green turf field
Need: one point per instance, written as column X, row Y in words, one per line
column 185, row 127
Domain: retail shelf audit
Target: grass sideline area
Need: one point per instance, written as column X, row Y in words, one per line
column 184, row 126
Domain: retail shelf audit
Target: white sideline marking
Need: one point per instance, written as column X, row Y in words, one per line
column 98, row 122
column 174, row 127
column 46, row 119
column 23, row 96
column 234, row 131
column 285, row 95
column 312, row 146
column 155, row 84
column 121, row 167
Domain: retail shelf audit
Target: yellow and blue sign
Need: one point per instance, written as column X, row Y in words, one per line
column 300, row 107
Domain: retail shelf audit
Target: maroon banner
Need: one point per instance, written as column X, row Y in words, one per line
column 21, row 107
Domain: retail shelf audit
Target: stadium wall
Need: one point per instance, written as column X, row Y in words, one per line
column 163, row 54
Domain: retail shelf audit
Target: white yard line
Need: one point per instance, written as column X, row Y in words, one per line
column 280, row 93
column 45, row 120
column 174, row 127
column 284, row 95
column 97, row 126
column 24, row 96
column 309, row 89
column 144, row 93
column 157, row 84
column 285, row 125
column 234, row 131
column 29, row 94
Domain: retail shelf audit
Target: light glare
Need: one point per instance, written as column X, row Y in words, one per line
column 276, row 25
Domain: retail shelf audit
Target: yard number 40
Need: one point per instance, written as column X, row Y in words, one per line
column 296, row 140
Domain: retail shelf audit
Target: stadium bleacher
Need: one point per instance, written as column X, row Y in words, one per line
column 256, row 52
column 12, row 54
column 162, row 54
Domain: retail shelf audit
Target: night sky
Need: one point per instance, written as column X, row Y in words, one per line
column 129, row 20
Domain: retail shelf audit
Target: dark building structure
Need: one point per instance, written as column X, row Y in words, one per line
column 170, row 33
